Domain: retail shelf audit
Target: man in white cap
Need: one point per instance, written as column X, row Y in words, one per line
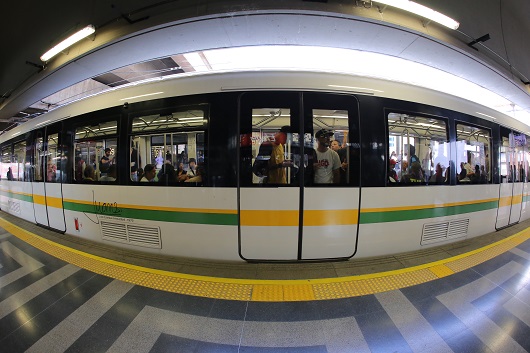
column 327, row 167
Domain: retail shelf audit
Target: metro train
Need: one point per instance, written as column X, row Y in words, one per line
column 418, row 168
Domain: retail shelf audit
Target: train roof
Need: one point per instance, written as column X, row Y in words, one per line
column 242, row 81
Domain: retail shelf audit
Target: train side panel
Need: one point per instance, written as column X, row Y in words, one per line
column 176, row 221
column 16, row 198
column 401, row 219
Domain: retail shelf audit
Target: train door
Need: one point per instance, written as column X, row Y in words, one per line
column 330, row 197
column 283, row 214
column 48, row 174
column 269, row 184
column 511, row 187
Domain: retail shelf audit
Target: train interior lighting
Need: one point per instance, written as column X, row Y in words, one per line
column 314, row 59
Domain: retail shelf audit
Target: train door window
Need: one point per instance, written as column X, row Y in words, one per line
column 418, row 150
column 171, row 146
column 19, row 161
column 53, row 174
column 330, row 144
column 95, row 149
column 272, row 147
column 37, row 158
column 526, row 162
column 473, row 149
column 6, row 161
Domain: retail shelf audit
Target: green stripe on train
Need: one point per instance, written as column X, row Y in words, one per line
column 26, row 198
column 406, row 215
column 155, row 215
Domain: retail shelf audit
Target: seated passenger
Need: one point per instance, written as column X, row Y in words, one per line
column 198, row 175
column 192, row 171
column 111, row 174
column 475, row 177
column 437, row 177
column 138, row 175
column 149, row 173
column 89, row 175
column 392, row 174
column 401, row 173
column 167, row 175
column 181, row 173
column 466, row 173
column 415, row 175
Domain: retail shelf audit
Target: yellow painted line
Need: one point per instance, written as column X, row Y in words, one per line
column 421, row 207
column 441, row 271
column 268, row 290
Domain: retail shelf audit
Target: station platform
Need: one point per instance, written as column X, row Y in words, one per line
column 61, row 294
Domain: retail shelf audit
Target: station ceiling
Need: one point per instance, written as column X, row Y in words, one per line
column 137, row 36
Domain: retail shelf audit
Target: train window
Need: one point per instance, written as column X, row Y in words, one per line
column 171, row 146
column 38, row 154
column 525, row 169
column 329, row 144
column 95, row 153
column 418, row 150
column 175, row 120
column 52, row 172
column 19, row 162
column 473, row 148
column 6, row 162
column 274, row 160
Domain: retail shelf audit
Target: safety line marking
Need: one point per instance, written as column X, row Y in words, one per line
column 268, row 290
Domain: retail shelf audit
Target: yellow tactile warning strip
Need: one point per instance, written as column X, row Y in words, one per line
column 268, row 290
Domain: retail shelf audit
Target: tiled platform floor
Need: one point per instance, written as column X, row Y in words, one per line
column 49, row 305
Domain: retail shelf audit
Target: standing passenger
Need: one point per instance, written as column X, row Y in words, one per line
column 104, row 162
column 9, row 174
column 136, row 162
column 271, row 162
column 328, row 162
column 343, row 157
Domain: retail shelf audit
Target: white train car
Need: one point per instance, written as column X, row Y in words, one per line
column 417, row 168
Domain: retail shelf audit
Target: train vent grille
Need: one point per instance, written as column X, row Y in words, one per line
column 131, row 234
column 436, row 232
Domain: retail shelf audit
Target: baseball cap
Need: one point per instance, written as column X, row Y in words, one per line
column 323, row 132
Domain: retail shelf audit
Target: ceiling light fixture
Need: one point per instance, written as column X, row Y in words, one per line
column 74, row 38
column 422, row 11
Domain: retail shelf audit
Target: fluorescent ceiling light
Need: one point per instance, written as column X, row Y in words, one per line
column 143, row 95
column 489, row 116
column 422, row 11
column 74, row 38
column 356, row 88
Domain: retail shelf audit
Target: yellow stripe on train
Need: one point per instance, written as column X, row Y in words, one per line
column 281, row 218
